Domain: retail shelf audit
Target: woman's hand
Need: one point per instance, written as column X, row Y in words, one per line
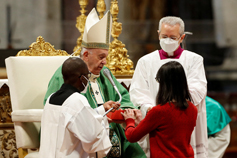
column 148, row 109
column 128, row 113
column 138, row 116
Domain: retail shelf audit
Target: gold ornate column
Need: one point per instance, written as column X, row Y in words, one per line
column 101, row 7
column 117, row 60
column 81, row 20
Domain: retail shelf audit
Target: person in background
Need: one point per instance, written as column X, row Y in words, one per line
column 171, row 122
column 218, row 128
column 69, row 126
column 95, row 45
column 144, row 88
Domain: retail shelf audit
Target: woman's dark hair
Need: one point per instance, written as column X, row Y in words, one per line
column 172, row 85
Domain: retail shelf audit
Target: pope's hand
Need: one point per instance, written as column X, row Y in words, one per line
column 109, row 104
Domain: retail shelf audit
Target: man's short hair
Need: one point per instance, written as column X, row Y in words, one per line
column 72, row 68
column 172, row 20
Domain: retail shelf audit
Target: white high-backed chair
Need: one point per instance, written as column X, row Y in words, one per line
column 28, row 78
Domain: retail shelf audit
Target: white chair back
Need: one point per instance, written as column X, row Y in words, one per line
column 28, row 78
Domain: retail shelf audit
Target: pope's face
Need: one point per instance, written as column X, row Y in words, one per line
column 171, row 32
column 95, row 60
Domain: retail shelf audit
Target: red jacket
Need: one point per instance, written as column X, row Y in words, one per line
column 169, row 129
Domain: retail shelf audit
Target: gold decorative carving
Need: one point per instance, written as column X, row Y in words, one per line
column 8, row 147
column 101, row 7
column 117, row 60
column 8, row 144
column 81, row 20
column 22, row 152
column 5, row 105
column 41, row 48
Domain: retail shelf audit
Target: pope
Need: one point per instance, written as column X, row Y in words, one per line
column 95, row 45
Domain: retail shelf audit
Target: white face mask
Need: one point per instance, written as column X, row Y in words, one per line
column 85, row 86
column 169, row 45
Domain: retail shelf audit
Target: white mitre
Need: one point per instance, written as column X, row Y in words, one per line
column 97, row 32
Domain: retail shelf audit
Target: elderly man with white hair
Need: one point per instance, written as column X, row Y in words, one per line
column 144, row 87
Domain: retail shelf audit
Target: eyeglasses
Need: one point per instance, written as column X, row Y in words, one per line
column 157, row 80
column 172, row 37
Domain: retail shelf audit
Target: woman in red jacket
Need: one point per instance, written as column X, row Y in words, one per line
column 171, row 122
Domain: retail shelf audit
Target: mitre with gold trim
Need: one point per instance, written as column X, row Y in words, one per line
column 97, row 31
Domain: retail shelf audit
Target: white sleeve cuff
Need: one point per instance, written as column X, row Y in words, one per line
column 100, row 110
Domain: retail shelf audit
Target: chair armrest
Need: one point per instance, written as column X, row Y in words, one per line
column 28, row 115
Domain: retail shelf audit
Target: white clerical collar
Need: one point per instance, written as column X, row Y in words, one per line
column 93, row 77
column 95, row 88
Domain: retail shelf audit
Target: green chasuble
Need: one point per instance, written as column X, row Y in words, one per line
column 217, row 118
column 128, row 150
